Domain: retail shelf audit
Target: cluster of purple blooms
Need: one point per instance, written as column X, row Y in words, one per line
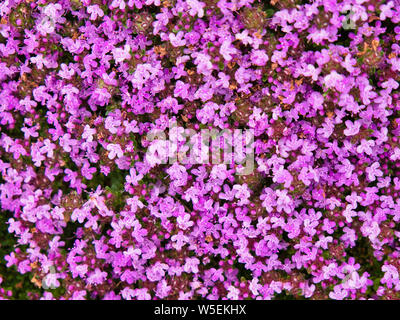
column 83, row 82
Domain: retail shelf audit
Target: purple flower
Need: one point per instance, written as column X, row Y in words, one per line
column 196, row 8
column 206, row 114
column 114, row 151
column 96, row 277
column 95, row 11
column 339, row 293
column 191, row 265
column 178, row 39
column 373, row 171
column 227, row 50
column 352, row 128
column 181, row 89
column 121, row 54
column 259, row 57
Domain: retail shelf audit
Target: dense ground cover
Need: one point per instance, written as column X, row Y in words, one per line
column 92, row 209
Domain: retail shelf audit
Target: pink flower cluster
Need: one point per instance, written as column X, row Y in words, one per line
column 94, row 217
